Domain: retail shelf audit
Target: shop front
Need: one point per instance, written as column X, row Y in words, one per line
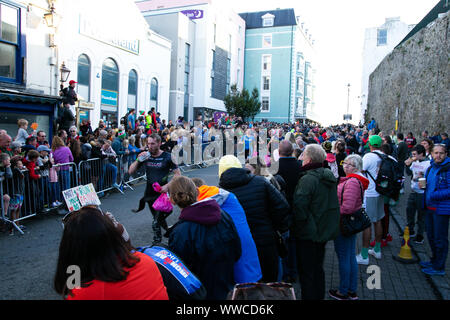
column 39, row 110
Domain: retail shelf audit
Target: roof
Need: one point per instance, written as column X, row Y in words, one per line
column 26, row 97
column 441, row 7
column 283, row 17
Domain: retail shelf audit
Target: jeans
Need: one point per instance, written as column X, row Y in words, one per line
column 345, row 248
column 415, row 203
column 104, row 176
column 64, row 181
column 437, row 233
column 310, row 256
column 288, row 265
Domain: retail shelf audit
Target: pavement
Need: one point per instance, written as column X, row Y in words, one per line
column 28, row 262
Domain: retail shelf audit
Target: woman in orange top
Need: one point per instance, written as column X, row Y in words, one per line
column 108, row 269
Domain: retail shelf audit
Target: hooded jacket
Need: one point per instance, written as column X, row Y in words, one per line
column 247, row 268
column 316, row 206
column 206, row 239
column 265, row 207
column 437, row 192
column 349, row 190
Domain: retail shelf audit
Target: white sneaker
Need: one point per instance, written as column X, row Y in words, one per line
column 361, row 260
column 377, row 255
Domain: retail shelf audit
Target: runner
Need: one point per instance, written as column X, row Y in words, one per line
column 158, row 165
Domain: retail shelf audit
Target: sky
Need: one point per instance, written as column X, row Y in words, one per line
column 338, row 30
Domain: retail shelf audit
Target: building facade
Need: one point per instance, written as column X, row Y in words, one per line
column 209, row 53
column 279, row 63
column 118, row 62
column 378, row 43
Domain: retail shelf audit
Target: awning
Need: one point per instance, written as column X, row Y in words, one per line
column 26, row 97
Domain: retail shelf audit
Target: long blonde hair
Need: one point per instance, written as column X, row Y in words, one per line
column 57, row 142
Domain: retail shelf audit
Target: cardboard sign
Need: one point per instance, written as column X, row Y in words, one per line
column 81, row 196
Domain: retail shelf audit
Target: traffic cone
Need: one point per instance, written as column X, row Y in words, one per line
column 405, row 254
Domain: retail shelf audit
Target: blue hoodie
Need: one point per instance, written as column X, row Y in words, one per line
column 437, row 193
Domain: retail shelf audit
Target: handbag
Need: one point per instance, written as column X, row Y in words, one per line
column 355, row 222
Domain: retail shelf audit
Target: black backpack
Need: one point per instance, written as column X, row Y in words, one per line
column 124, row 120
column 389, row 180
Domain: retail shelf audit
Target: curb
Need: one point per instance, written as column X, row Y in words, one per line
column 439, row 286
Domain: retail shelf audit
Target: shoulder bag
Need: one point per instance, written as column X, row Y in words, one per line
column 355, row 222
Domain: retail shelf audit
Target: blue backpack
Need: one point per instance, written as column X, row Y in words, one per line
column 180, row 282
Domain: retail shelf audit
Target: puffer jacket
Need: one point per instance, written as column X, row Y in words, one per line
column 205, row 238
column 349, row 190
column 247, row 268
column 265, row 207
column 437, row 192
column 316, row 206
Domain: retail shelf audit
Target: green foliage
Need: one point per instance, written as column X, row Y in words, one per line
column 242, row 104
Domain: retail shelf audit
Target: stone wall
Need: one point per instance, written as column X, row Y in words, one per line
column 414, row 78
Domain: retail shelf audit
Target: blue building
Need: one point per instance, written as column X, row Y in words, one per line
column 278, row 62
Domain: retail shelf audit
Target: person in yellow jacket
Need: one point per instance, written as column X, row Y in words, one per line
column 148, row 119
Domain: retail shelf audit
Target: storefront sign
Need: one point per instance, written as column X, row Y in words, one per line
column 193, row 14
column 109, row 98
column 86, row 105
column 84, row 114
column 102, row 33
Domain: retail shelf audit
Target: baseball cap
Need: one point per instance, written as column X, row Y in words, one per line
column 43, row 148
column 72, row 82
column 375, row 141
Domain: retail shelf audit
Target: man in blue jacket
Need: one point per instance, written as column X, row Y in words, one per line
column 437, row 202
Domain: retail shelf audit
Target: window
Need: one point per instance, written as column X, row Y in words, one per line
column 10, row 66
column 267, row 20
column 239, row 56
column 84, row 77
column 267, row 63
column 186, row 89
column 381, row 37
column 230, row 41
column 299, row 83
column 265, row 104
column 132, row 90
column 267, row 41
column 213, row 66
column 110, row 91
column 154, row 94
column 228, row 75
column 266, row 83
column 187, row 57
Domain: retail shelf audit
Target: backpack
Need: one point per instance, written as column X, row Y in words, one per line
column 389, row 180
column 180, row 282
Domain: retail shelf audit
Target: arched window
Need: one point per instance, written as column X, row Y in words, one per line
column 154, row 94
column 110, row 91
column 84, row 77
column 132, row 90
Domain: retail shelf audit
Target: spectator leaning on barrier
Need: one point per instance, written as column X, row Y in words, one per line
column 316, row 220
column 110, row 269
column 437, row 202
column 62, row 155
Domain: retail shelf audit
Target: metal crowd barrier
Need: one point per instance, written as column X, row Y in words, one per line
column 102, row 173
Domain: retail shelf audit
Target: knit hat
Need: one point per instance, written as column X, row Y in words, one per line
column 375, row 141
column 122, row 134
column 142, row 113
column 227, row 162
column 326, row 145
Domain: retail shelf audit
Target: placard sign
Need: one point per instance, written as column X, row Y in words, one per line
column 81, row 196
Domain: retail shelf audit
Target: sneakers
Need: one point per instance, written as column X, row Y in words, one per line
column 115, row 185
column 419, row 239
column 336, row 295
column 361, row 260
column 433, row 272
column 352, row 296
column 377, row 255
column 426, row 264
column 389, row 237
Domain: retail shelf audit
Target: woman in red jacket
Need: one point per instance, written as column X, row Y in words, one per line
column 350, row 194
column 93, row 249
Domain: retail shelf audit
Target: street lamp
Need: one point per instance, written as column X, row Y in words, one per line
column 64, row 71
column 52, row 19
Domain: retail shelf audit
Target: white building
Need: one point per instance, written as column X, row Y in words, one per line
column 118, row 62
column 215, row 37
column 378, row 43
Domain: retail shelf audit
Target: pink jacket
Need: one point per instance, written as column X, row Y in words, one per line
column 352, row 192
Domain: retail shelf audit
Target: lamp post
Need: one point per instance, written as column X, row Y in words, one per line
column 348, row 101
column 64, row 72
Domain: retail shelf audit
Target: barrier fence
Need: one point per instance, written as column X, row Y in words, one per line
column 23, row 196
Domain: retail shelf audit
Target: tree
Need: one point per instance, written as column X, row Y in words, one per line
column 242, row 104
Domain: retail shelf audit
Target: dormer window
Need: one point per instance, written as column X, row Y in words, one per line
column 267, row 20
